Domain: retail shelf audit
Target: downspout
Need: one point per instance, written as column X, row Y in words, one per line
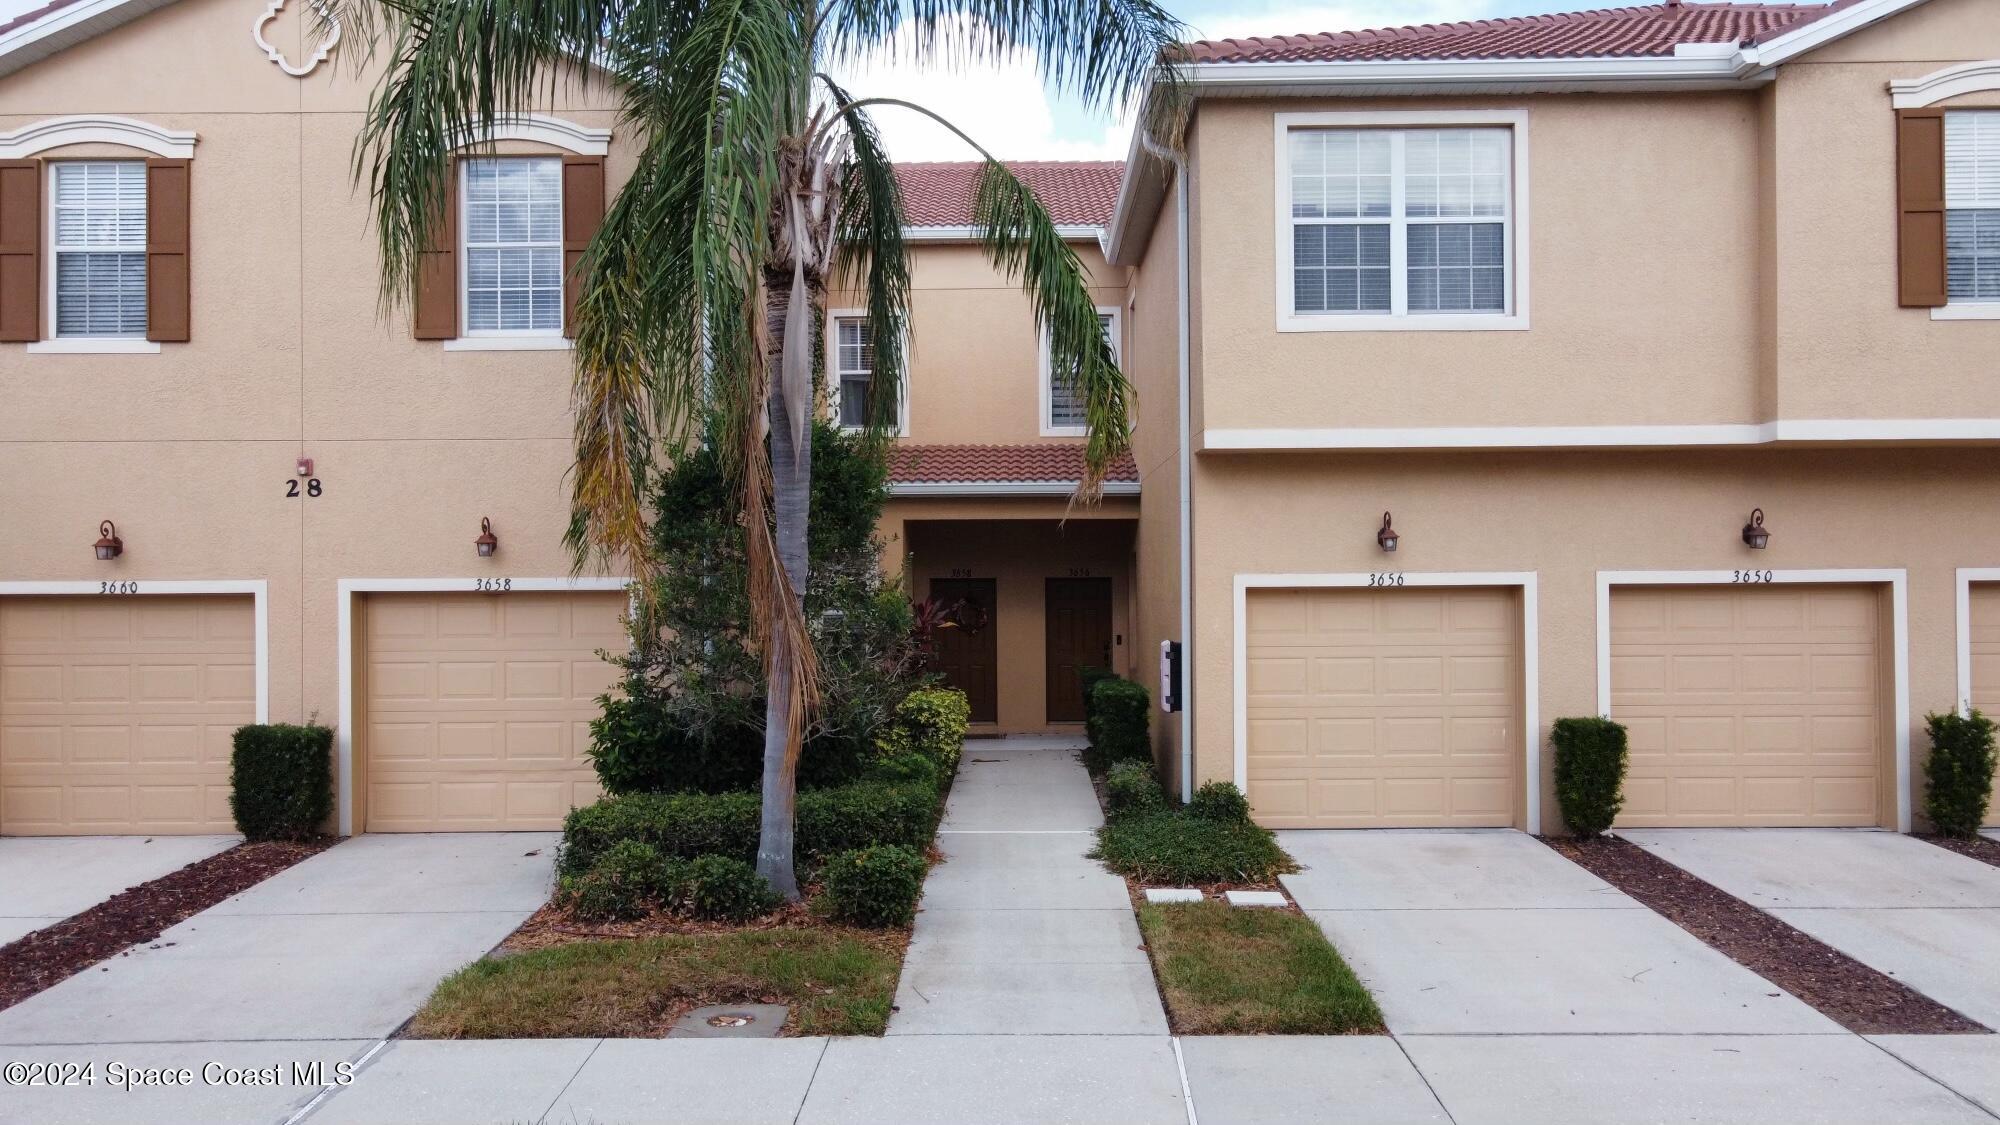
column 1183, row 395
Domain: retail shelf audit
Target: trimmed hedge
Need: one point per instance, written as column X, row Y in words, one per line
column 1089, row 676
column 1960, row 772
column 629, row 881
column 1591, row 756
column 721, row 889
column 1131, row 788
column 876, row 887
column 1120, row 715
column 931, row 722
column 686, row 825
column 1177, row 848
column 281, row 780
column 1220, row 801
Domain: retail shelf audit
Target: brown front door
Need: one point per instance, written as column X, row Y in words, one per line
column 968, row 652
column 1079, row 634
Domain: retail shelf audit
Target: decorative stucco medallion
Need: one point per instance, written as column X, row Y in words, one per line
column 320, row 53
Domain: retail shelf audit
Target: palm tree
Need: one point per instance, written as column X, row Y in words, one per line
column 760, row 181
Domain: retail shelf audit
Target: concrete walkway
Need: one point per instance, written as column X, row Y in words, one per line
column 45, row 879
column 1019, row 933
column 1926, row 916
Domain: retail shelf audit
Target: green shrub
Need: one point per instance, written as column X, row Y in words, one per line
column 930, row 722
column 629, row 881
column 906, row 766
column 1960, row 772
column 281, row 780
column 1220, row 800
column 637, row 747
column 686, row 825
column 1175, row 847
column 1088, row 676
column 1591, row 756
column 1130, row 788
column 1119, row 717
column 876, row 886
column 718, row 888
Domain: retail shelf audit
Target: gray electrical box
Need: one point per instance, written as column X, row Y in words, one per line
column 1170, row 676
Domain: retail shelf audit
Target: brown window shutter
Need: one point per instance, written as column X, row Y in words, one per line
column 436, row 314
column 167, row 250
column 1921, row 278
column 20, row 250
column 583, row 213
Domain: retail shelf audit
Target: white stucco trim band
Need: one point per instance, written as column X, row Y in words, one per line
column 1942, row 85
column 1527, row 581
column 1585, row 437
column 1967, row 575
column 1897, row 580
column 124, row 587
column 96, row 128
column 538, row 128
column 346, row 590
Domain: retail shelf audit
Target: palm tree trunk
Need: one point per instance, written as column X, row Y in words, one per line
column 791, row 494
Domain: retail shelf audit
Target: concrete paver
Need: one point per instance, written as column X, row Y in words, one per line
column 445, row 1082
column 44, row 879
column 206, row 1097
column 1421, row 869
column 997, row 1080
column 1306, row 1080
column 1969, row 1064
column 722, row 1081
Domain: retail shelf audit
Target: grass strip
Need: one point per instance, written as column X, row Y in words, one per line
column 1230, row 971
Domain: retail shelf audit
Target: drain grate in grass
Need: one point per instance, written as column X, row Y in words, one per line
column 837, row 982
column 1224, row 971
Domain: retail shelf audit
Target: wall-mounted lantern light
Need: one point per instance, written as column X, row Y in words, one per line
column 1387, row 536
column 1755, row 533
column 109, row 546
column 487, row 543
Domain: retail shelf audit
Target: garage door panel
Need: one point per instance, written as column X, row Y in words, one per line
column 479, row 706
column 1408, row 714
column 1984, row 606
column 1768, row 712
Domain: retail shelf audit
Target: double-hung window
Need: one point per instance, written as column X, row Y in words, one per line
column 1972, row 206
column 853, row 368
column 1063, row 413
column 98, row 239
column 1384, row 228
column 511, row 214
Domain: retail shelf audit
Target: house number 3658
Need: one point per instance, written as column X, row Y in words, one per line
column 292, row 487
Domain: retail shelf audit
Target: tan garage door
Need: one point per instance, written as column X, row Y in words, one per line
column 116, row 712
column 1383, row 708
column 1749, row 706
column 477, row 707
column 1986, row 661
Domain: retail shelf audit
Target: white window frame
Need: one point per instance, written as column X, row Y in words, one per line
column 1515, row 319
column 1046, row 376
column 1965, row 309
column 470, row 339
column 832, row 373
column 51, row 343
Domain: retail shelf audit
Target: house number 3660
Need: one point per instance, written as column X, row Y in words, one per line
column 311, row 487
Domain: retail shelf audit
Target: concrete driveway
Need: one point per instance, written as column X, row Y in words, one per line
column 1491, row 932
column 344, row 946
column 1924, row 915
column 44, row 879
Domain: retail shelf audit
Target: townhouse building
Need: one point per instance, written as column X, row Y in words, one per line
column 1632, row 362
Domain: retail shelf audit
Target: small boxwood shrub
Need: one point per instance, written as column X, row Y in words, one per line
column 1130, row 788
column 1591, row 756
column 718, row 888
column 1176, row 847
column 1120, row 715
column 636, row 747
column 686, row 825
column 908, row 766
column 281, row 780
column 629, row 881
column 931, row 722
column 1220, row 800
column 1088, row 676
column 1960, row 772
column 875, row 887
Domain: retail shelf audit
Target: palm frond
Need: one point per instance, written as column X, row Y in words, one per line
column 868, row 232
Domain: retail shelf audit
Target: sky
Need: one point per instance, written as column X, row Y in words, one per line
column 1006, row 109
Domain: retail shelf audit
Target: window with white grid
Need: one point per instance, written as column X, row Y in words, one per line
column 854, row 368
column 1066, row 413
column 1972, row 205
column 98, row 238
column 511, row 214
column 1400, row 222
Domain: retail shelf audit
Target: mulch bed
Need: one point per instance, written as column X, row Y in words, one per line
column 1981, row 848
column 137, row 915
column 1844, row 990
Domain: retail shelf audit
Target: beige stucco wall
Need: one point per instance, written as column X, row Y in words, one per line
column 1566, row 516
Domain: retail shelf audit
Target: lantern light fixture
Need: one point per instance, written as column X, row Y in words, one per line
column 1755, row 533
column 1387, row 537
column 108, row 546
column 487, row 543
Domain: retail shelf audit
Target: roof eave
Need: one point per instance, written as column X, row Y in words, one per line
column 32, row 42
column 1005, row 488
column 1069, row 232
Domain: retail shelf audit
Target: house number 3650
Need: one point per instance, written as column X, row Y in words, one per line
column 311, row 487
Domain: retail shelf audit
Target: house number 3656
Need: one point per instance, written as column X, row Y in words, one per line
column 311, row 487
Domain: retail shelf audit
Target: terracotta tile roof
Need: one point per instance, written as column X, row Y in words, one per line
column 1654, row 29
column 1083, row 192
column 33, row 14
column 961, row 464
